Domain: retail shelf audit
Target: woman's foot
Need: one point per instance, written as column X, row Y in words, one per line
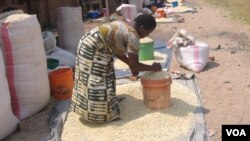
column 117, row 119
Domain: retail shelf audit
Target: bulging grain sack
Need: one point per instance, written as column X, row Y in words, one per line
column 138, row 4
column 26, row 69
column 64, row 57
column 70, row 27
column 129, row 13
column 49, row 41
column 8, row 122
column 52, row 51
column 193, row 57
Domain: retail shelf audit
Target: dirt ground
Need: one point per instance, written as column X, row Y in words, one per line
column 224, row 83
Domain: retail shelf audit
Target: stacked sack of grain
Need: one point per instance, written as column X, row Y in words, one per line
column 25, row 61
column 128, row 12
column 8, row 122
column 70, row 27
column 64, row 57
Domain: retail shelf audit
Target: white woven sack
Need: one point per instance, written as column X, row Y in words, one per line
column 64, row 57
column 70, row 27
column 8, row 122
column 26, row 67
column 49, row 41
column 193, row 57
column 137, row 3
column 129, row 13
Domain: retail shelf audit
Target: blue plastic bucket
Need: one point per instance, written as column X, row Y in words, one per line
column 93, row 14
column 175, row 4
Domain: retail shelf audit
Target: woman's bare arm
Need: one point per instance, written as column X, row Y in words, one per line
column 135, row 65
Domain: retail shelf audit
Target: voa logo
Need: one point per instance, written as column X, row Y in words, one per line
column 236, row 132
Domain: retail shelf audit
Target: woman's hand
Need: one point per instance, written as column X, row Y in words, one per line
column 135, row 73
column 135, row 66
column 156, row 66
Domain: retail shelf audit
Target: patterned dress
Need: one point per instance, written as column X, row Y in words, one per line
column 94, row 95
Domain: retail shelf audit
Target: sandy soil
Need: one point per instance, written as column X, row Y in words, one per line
column 224, row 83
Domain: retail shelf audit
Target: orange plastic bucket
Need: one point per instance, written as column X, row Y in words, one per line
column 157, row 93
column 161, row 13
column 61, row 83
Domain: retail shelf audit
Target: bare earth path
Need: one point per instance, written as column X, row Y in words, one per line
column 225, row 82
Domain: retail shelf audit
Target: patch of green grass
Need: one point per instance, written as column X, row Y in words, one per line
column 239, row 9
